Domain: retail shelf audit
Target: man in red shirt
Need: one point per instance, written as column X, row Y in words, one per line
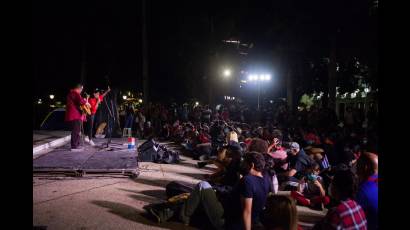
column 74, row 116
column 94, row 103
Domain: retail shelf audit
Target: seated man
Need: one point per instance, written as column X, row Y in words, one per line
column 238, row 210
column 367, row 195
column 299, row 161
column 347, row 214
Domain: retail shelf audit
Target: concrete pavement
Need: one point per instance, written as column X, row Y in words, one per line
column 114, row 201
column 108, row 202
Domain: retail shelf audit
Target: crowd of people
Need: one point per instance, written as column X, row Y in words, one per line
column 321, row 160
column 324, row 163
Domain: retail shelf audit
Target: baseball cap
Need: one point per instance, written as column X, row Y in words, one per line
column 294, row 145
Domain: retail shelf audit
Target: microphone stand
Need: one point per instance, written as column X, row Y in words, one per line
column 110, row 122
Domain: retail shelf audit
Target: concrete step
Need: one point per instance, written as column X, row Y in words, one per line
column 45, row 141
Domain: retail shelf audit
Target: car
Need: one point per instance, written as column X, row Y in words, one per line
column 55, row 121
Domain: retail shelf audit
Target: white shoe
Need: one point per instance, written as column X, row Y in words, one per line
column 92, row 143
column 86, row 139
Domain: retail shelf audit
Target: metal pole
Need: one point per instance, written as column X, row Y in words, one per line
column 259, row 90
column 145, row 84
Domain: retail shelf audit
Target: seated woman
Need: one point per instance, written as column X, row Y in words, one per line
column 280, row 214
column 278, row 153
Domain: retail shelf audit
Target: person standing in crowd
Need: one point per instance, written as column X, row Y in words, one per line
column 129, row 117
column 140, row 120
column 74, row 116
column 367, row 195
column 94, row 103
column 348, row 214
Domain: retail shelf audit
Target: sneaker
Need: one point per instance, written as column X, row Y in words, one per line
column 86, row 139
column 92, row 143
column 77, row 149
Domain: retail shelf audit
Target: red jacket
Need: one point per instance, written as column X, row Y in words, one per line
column 72, row 109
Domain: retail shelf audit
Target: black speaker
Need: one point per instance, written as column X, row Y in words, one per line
column 148, row 151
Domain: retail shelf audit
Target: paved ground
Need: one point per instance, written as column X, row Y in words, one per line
column 108, row 202
column 114, row 202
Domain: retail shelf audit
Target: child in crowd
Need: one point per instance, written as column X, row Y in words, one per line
column 310, row 191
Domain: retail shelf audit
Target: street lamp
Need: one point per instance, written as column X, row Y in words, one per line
column 51, row 96
column 124, row 97
column 227, row 73
column 140, row 100
column 259, row 78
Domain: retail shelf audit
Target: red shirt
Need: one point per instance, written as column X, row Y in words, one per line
column 94, row 105
column 72, row 109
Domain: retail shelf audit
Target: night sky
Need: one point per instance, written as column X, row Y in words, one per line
column 284, row 34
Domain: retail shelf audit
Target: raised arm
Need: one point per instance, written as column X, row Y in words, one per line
column 107, row 91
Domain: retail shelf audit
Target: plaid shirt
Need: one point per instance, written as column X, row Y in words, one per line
column 349, row 215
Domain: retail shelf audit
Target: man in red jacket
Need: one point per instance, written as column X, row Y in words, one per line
column 74, row 116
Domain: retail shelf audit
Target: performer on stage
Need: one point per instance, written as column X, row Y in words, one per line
column 75, row 116
column 94, row 102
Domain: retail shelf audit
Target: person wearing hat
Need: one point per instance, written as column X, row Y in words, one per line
column 299, row 161
column 94, row 103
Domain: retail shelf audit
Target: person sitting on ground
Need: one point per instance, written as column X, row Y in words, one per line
column 241, row 210
column 299, row 161
column 348, row 214
column 311, row 191
column 319, row 156
column 258, row 145
column 227, row 174
column 367, row 195
column 280, row 214
column 278, row 153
